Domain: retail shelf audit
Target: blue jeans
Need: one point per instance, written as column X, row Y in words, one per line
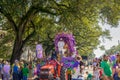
column 6, row 76
column 116, row 77
column 24, row 77
column 15, row 76
column 20, row 75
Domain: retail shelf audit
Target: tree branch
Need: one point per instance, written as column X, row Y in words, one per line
column 31, row 34
column 32, row 11
column 84, row 44
column 9, row 17
column 60, row 5
column 26, row 17
column 51, row 39
column 45, row 10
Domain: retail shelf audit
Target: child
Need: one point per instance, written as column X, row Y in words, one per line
column 96, row 73
column 89, row 76
column 15, row 71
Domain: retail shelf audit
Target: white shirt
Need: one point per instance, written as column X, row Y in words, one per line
column 61, row 45
column 96, row 75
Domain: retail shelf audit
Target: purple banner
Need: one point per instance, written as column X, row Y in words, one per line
column 69, row 62
column 39, row 51
column 113, row 57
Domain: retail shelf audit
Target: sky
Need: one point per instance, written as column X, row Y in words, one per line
column 115, row 34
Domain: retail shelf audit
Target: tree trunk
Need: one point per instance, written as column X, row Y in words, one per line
column 48, row 49
column 17, row 50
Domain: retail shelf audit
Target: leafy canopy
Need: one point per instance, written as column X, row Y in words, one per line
column 81, row 17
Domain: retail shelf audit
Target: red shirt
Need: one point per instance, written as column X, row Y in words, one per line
column 100, row 73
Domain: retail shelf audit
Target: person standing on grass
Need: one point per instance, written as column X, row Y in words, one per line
column 89, row 76
column 38, row 65
column 6, row 71
column 35, row 70
column 81, row 64
column 15, row 71
column 107, row 71
column 116, row 69
column 21, row 65
column 25, row 72
column 96, row 73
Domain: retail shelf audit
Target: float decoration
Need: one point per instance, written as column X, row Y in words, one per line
column 39, row 51
column 112, row 57
column 69, row 62
column 68, row 39
column 65, row 44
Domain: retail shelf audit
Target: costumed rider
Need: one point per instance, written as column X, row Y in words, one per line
column 61, row 45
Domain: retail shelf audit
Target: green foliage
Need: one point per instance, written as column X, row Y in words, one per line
column 6, row 45
column 38, row 21
column 113, row 49
column 110, row 12
column 102, row 47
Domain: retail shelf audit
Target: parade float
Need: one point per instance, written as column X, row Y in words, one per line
column 66, row 61
column 65, row 46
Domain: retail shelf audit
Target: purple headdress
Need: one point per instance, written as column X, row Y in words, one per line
column 67, row 38
column 112, row 57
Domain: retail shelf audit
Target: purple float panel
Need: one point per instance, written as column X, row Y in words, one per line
column 69, row 62
column 39, row 51
column 113, row 57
